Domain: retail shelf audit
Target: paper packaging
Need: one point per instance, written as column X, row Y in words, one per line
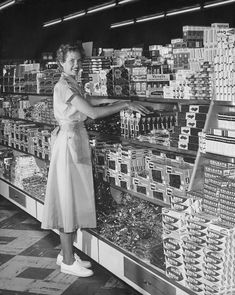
column 173, row 255
column 158, row 191
column 110, row 176
column 195, row 108
column 141, row 186
column 157, row 172
column 178, row 177
column 196, row 116
column 223, row 172
column 124, row 181
column 175, row 274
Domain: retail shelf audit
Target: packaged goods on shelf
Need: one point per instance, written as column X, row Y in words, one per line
column 46, row 80
column 131, row 224
column 36, row 186
column 224, row 66
column 97, row 84
column 220, row 145
column 109, row 125
column 181, row 58
column 133, row 125
column 93, row 69
column 202, row 247
column 118, row 82
column 138, row 78
column 25, row 166
column 191, row 121
column 6, row 159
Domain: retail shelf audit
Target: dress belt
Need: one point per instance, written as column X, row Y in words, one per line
column 70, row 126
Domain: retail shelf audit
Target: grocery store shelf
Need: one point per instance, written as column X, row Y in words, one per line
column 218, row 157
column 157, row 271
column 153, row 99
column 7, row 181
column 141, row 196
column 154, row 146
column 26, row 93
column 28, row 121
column 23, row 152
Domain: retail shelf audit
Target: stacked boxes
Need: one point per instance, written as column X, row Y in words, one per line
column 218, row 190
column 177, row 248
column 178, row 88
column 25, row 166
column 118, row 82
column 221, row 140
column 122, row 164
column 201, row 82
column 97, row 84
column 225, row 66
column 94, row 71
column 181, row 58
column 46, row 80
column 26, row 137
column 193, row 36
column 210, row 40
column 8, row 78
column 47, row 114
column 143, row 172
column 133, row 124
column 219, row 259
column 156, row 82
column 198, row 250
column 138, row 78
column 191, row 121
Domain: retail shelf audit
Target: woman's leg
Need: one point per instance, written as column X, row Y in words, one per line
column 66, row 240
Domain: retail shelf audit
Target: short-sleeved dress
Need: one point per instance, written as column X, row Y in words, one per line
column 69, row 202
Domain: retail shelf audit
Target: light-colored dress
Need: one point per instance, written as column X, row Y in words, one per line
column 69, row 202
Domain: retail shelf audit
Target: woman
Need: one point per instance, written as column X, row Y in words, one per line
column 69, row 202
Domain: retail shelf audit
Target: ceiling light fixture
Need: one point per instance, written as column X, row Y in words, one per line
column 122, row 24
column 74, row 15
column 101, row 7
column 183, row 10
column 52, row 22
column 121, row 2
column 7, row 4
column 218, row 3
column 150, row 17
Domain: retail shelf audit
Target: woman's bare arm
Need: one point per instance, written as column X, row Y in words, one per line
column 95, row 112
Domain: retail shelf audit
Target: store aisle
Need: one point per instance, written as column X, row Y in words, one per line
column 27, row 261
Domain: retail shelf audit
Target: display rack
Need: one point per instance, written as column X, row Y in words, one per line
column 141, row 275
column 202, row 158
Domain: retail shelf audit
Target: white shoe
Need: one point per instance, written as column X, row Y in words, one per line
column 83, row 263
column 76, row 269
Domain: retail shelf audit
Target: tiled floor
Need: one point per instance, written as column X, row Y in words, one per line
column 27, row 261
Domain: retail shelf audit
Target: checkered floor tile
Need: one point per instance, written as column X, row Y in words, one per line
column 27, row 261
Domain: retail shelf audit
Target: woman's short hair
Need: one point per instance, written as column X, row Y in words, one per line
column 62, row 51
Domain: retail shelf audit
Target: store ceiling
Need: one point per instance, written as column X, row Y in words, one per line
column 40, row 11
column 22, row 33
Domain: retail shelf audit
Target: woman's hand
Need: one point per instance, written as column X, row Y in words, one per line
column 137, row 107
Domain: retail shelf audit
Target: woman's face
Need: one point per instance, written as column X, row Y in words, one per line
column 72, row 64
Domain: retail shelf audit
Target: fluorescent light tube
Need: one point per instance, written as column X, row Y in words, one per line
column 7, row 3
column 213, row 4
column 121, row 24
column 101, row 7
column 125, row 1
column 52, row 22
column 149, row 17
column 74, row 15
column 183, row 10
